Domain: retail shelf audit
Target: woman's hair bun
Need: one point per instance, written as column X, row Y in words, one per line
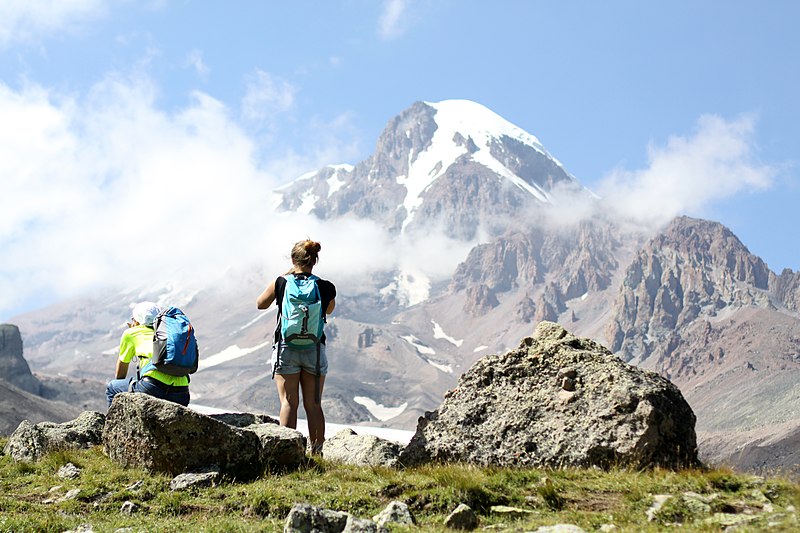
column 312, row 247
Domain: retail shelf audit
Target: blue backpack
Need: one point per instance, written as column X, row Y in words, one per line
column 302, row 317
column 175, row 350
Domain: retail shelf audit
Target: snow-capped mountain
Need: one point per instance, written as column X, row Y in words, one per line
column 454, row 164
column 689, row 302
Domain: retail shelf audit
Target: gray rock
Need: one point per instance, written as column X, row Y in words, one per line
column 280, row 447
column 658, row 502
column 362, row 525
column 30, row 442
column 305, row 518
column 361, row 450
column 160, row 436
column 512, row 410
column 395, row 513
column 68, row 471
column 70, row 495
column 128, row 507
column 207, row 477
column 560, row 528
column 463, row 517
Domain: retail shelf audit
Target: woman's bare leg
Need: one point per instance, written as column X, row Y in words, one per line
column 316, row 418
column 289, row 394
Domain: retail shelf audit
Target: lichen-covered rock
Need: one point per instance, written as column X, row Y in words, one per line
column 30, row 442
column 305, row 518
column 462, row 517
column 558, row 401
column 361, row 450
column 205, row 477
column 395, row 513
column 162, row 436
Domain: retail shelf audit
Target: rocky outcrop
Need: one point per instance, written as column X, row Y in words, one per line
column 566, row 262
column 786, row 288
column 693, row 268
column 479, row 299
column 161, row 436
column 366, row 338
column 31, row 442
column 558, row 401
column 360, row 450
column 13, row 366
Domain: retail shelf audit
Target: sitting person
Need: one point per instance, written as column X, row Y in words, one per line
column 137, row 341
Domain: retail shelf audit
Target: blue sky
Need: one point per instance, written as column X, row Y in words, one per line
column 674, row 107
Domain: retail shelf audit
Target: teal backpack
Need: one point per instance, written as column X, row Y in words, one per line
column 301, row 319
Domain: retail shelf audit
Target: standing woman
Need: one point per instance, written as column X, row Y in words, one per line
column 295, row 370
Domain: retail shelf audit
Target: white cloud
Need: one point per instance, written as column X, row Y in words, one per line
column 195, row 60
column 266, row 95
column 108, row 189
column 26, row 20
column 689, row 174
column 391, row 21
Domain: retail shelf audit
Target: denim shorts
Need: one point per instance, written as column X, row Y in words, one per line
column 294, row 360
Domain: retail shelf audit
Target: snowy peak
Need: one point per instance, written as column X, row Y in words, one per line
column 455, row 164
column 473, row 120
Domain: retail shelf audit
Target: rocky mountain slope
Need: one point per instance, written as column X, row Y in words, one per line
column 690, row 301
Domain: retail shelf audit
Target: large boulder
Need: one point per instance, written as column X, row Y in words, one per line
column 558, row 401
column 162, row 436
column 360, row 450
column 30, row 442
column 13, row 366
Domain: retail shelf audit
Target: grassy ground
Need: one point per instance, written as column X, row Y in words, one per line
column 32, row 497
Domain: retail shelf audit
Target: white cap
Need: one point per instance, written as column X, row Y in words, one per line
column 145, row 313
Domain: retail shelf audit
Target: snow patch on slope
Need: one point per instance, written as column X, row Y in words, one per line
column 416, row 343
column 378, row 410
column 335, row 182
column 438, row 333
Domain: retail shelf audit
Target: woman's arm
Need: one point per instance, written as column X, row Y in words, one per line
column 331, row 305
column 266, row 298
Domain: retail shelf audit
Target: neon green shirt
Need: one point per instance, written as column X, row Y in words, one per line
column 138, row 342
